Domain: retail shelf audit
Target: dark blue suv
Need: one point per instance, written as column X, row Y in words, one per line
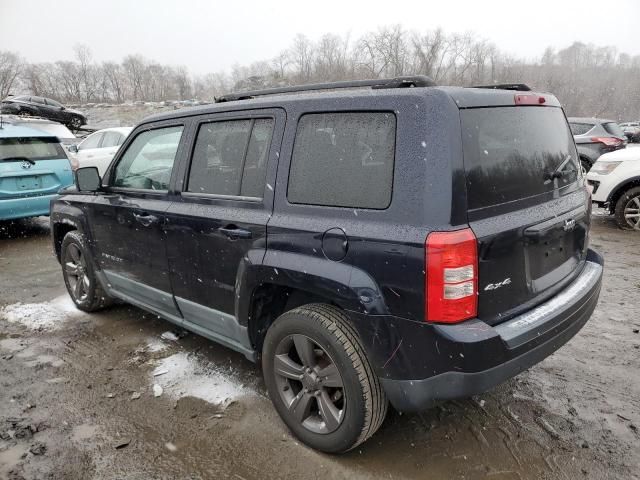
column 382, row 241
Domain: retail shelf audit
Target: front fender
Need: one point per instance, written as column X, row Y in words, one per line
column 623, row 185
column 66, row 214
column 345, row 285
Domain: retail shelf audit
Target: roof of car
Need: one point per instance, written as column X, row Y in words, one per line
column 125, row 130
column 463, row 97
column 13, row 131
column 589, row 120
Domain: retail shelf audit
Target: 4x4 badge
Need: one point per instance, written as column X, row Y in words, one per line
column 495, row 286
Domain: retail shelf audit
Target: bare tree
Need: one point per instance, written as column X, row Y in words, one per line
column 301, row 55
column 11, row 66
column 588, row 79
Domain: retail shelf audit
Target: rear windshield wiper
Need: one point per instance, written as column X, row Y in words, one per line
column 19, row 159
column 558, row 172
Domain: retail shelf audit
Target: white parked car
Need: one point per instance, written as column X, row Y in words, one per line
column 614, row 181
column 98, row 149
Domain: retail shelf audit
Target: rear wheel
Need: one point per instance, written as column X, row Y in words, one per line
column 320, row 380
column 627, row 209
column 75, row 123
column 79, row 276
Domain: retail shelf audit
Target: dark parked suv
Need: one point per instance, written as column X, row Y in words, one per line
column 368, row 244
column 595, row 137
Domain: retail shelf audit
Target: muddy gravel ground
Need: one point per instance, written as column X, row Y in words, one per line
column 77, row 395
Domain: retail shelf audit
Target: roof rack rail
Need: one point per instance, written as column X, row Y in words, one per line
column 520, row 87
column 398, row 82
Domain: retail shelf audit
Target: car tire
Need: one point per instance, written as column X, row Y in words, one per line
column 586, row 165
column 328, row 396
column 79, row 275
column 75, row 123
column 627, row 209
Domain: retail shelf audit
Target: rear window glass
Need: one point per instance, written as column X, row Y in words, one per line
column 511, row 153
column 33, row 148
column 343, row 160
column 614, row 129
column 580, row 128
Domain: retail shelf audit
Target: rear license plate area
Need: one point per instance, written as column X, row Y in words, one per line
column 546, row 254
column 28, row 183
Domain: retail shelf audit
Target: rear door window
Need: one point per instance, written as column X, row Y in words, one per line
column 52, row 103
column 343, row 160
column 580, row 128
column 511, row 153
column 111, row 139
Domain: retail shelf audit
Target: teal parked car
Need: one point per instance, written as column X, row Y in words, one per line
column 33, row 168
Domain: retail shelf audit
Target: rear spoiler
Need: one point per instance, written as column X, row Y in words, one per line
column 519, row 87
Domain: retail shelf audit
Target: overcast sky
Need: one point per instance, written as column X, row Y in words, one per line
column 208, row 36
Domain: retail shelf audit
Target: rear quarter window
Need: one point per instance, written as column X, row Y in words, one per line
column 343, row 160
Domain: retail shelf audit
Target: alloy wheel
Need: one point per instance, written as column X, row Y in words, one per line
column 632, row 212
column 75, row 270
column 309, row 384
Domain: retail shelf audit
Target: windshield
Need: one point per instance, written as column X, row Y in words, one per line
column 511, row 153
column 34, row 148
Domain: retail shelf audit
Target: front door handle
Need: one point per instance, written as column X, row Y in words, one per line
column 234, row 232
column 145, row 219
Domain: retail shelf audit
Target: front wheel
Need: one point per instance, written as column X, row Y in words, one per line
column 79, row 276
column 320, row 380
column 627, row 210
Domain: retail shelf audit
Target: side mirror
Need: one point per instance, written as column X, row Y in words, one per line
column 88, row 179
column 73, row 148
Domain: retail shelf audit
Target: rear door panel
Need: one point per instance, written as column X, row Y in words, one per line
column 204, row 256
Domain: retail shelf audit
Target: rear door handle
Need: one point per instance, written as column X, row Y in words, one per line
column 234, row 232
column 145, row 219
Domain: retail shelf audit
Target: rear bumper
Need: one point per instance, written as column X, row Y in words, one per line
column 25, row 207
column 472, row 357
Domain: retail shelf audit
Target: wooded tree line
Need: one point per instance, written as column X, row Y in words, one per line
column 589, row 80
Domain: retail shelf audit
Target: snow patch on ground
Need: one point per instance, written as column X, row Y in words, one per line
column 49, row 315
column 154, row 345
column 188, row 376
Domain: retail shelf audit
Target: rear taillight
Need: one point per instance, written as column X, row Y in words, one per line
column 74, row 163
column 608, row 141
column 451, row 285
column 529, row 99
